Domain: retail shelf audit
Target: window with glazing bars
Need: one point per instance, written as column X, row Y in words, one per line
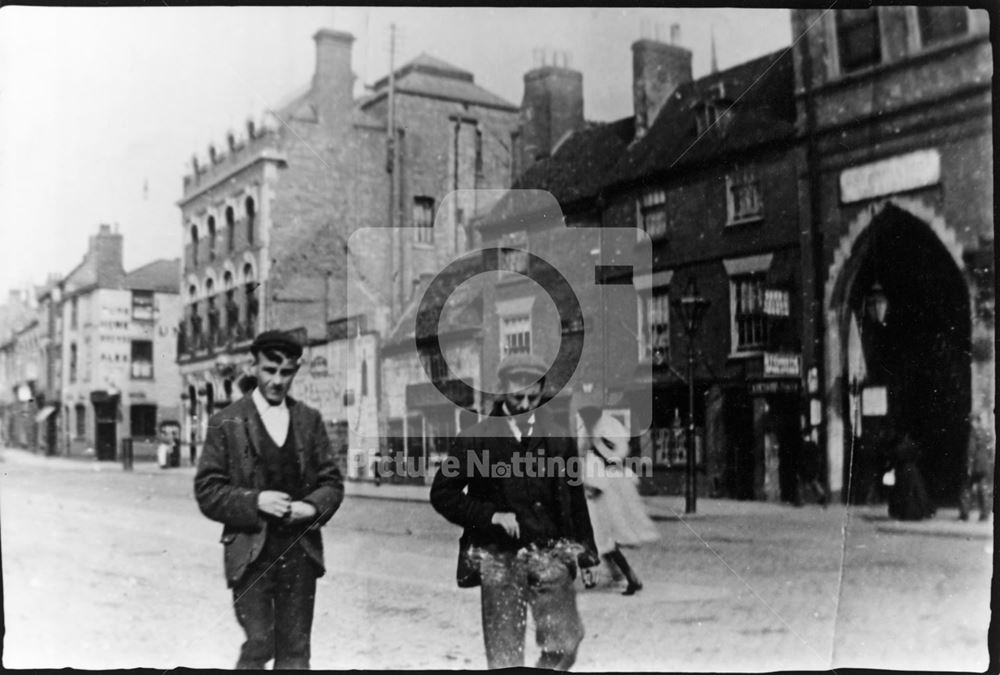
column 743, row 195
column 653, row 213
column 515, row 334
column 858, row 42
column 423, row 219
column 749, row 319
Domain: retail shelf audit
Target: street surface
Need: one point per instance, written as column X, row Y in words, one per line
column 106, row 569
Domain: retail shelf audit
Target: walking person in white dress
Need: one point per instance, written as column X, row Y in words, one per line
column 616, row 511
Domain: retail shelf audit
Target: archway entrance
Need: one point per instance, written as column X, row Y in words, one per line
column 911, row 372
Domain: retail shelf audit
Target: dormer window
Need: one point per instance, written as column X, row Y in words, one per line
column 744, row 199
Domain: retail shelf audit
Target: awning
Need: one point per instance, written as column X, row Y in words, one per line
column 43, row 414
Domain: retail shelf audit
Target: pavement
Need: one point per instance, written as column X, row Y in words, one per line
column 945, row 523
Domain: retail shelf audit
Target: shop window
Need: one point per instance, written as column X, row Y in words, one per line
column 858, row 42
column 748, row 320
column 744, row 202
column 515, row 334
column 142, row 360
column 142, row 305
column 938, row 24
column 423, row 219
column 654, row 317
column 653, row 213
column 439, row 429
column 142, row 421
column 435, row 363
column 80, row 412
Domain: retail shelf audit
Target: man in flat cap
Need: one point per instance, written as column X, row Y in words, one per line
column 509, row 481
column 267, row 473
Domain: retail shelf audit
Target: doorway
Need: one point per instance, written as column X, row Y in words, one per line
column 106, row 430
column 914, row 358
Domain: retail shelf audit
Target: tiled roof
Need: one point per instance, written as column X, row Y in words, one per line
column 159, row 275
column 761, row 93
column 761, row 96
column 465, row 305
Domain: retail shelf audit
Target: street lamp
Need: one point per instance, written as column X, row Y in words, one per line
column 691, row 308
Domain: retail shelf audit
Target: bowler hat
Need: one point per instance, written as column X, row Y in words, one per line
column 524, row 365
column 279, row 340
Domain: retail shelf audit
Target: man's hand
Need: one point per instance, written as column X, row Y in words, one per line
column 274, row 503
column 302, row 511
column 508, row 521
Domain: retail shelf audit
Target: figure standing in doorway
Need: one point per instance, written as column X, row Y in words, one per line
column 979, row 470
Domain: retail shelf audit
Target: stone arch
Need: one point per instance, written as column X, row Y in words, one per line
column 840, row 276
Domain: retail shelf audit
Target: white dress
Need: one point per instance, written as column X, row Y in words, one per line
column 617, row 513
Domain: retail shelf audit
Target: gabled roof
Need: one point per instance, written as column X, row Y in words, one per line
column 160, row 276
column 429, row 76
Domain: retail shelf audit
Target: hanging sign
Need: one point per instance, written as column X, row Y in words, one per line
column 874, row 402
column 782, row 365
column 776, row 302
column 890, row 176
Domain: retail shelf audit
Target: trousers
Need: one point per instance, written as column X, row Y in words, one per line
column 545, row 584
column 274, row 604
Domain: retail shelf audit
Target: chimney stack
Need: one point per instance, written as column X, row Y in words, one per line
column 551, row 108
column 657, row 70
column 106, row 257
column 333, row 80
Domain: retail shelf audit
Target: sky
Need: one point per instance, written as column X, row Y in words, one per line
column 101, row 109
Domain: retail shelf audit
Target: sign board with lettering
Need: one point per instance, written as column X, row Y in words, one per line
column 782, row 364
column 776, row 302
column 889, row 176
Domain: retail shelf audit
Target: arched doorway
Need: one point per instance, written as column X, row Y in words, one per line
column 910, row 372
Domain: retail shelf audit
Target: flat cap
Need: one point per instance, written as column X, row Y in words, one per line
column 284, row 342
column 525, row 365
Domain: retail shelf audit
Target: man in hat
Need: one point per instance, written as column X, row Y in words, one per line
column 511, row 481
column 267, row 473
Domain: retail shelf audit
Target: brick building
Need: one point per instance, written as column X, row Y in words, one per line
column 896, row 105
column 269, row 220
column 118, row 350
column 708, row 170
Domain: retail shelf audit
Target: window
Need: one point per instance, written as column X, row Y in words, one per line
column 653, row 213
column 436, row 365
column 194, row 245
column 479, row 151
column 515, row 334
column 211, row 237
column 251, row 214
column 654, row 317
column 743, row 196
column 858, row 43
column 142, row 359
column 73, row 310
column 423, row 219
column 142, row 421
column 80, row 412
column 72, row 362
column 749, row 320
column 941, row 23
column 142, row 305
column 230, row 229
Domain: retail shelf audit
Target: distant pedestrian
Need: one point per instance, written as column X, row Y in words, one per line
column 979, row 470
column 525, row 518
column 268, row 474
column 616, row 511
column 908, row 498
column 809, row 469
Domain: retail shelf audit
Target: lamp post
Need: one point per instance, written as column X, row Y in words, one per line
column 691, row 308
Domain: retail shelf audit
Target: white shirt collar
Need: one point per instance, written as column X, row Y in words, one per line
column 516, row 430
column 263, row 405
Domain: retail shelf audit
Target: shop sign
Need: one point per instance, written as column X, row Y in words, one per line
column 764, row 387
column 874, row 402
column 782, row 365
column 890, row 176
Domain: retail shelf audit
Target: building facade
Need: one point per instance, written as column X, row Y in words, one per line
column 119, row 350
column 896, row 105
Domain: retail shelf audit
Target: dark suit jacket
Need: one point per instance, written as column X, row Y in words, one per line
column 231, row 474
column 485, row 495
